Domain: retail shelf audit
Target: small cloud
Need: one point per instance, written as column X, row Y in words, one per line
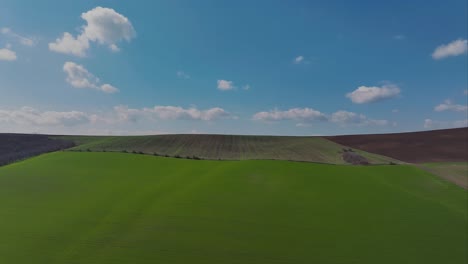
column 7, row 55
column 114, row 48
column 297, row 114
column 30, row 116
column 345, row 117
column 104, row 26
column 107, row 88
column 369, row 94
column 16, row 37
column 454, row 48
column 395, row 110
column 170, row 113
column 303, row 125
column 465, row 92
column 399, row 37
column 246, row 87
column 224, row 85
column 79, row 77
column 447, row 105
column 298, row 59
column 182, row 75
column 434, row 124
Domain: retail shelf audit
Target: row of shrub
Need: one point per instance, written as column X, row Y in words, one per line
column 194, row 157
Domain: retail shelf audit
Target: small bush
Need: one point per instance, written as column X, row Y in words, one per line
column 177, row 156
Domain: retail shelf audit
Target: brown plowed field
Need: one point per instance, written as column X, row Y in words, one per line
column 415, row 147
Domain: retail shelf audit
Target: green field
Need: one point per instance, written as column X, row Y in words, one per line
column 226, row 147
column 80, row 207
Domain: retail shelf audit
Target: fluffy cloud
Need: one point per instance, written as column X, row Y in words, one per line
column 449, row 106
column 7, row 54
column 297, row 114
column 103, row 25
column 345, row 117
column 454, row 48
column 170, row 113
column 434, row 124
column 224, row 85
column 31, row 116
column 21, row 39
column 70, row 45
column 365, row 94
column 79, row 77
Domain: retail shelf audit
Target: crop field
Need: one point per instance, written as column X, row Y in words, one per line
column 227, row 147
column 85, row 207
column 456, row 172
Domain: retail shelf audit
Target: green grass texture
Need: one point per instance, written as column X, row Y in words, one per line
column 90, row 208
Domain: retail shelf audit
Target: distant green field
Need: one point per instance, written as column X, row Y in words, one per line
column 80, row 207
column 226, row 147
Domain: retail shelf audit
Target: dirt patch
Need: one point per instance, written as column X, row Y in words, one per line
column 415, row 147
column 14, row 147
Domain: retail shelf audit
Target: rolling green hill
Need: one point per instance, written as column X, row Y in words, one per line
column 70, row 207
column 227, row 147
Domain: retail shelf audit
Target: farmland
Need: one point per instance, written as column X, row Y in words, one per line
column 445, row 145
column 226, row 147
column 85, row 207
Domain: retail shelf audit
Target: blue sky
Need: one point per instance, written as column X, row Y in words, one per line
column 234, row 67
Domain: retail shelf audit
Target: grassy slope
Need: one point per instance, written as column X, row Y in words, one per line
column 314, row 149
column 120, row 208
column 456, row 172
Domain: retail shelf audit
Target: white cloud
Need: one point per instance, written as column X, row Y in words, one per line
column 307, row 115
column 465, row 92
column 21, row 39
column 70, row 45
column 433, row 124
column 103, row 25
column 224, row 85
column 297, row 114
column 447, row 105
column 395, row 110
column 7, row 54
column 454, row 48
column 170, row 113
column 246, row 87
column 79, row 77
column 366, row 94
column 298, row 59
column 399, row 37
column 107, row 88
column 31, row 116
column 182, row 75
column 345, row 117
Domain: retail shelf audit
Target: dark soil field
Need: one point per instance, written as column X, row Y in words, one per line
column 448, row 145
column 14, row 147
